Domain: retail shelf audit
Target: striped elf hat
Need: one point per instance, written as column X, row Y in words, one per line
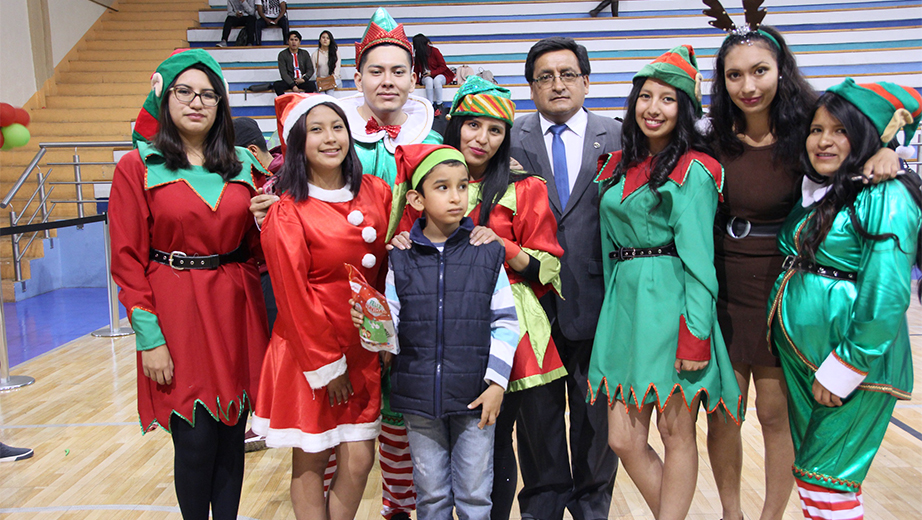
column 382, row 28
column 677, row 68
column 479, row 97
column 147, row 123
column 291, row 106
column 889, row 106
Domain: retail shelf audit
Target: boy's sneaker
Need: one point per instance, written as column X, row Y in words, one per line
column 11, row 454
column 253, row 442
column 401, row 516
column 222, row 43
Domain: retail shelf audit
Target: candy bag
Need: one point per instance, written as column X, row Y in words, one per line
column 377, row 331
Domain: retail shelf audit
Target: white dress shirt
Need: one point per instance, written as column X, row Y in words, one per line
column 573, row 138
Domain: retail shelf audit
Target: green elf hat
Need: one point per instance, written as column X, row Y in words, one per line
column 479, row 97
column 677, row 68
column 147, row 123
column 414, row 161
column 889, row 106
column 382, row 28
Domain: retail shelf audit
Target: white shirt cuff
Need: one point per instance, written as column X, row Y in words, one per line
column 322, row 376
column 837, row 377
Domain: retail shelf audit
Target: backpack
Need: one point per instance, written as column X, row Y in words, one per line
column 487, row 75
column 462, row 73
column 243, row 38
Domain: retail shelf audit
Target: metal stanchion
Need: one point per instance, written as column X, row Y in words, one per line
column 8, row 382
column 113, row 330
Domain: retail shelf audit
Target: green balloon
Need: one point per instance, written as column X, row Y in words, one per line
column 14, row 136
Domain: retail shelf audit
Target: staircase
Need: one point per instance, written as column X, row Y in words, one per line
column 94, row 95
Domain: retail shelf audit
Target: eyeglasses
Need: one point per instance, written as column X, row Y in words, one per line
column 567, row 78
column 186, row 95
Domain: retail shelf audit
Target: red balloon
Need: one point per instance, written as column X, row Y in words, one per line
column 21, row 117
column 7, row 114
column 1, row 139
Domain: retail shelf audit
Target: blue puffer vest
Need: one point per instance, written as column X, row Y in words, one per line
column 445, row 320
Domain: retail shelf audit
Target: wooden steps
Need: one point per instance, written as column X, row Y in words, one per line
column 95, row 94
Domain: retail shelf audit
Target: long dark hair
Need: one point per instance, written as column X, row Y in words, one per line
column 497, row 176
column 635, row 147
column 331, row 50
column 789, row 112
column 865, row 142
column 421, row 51
column 295, row 172
column 220, row 156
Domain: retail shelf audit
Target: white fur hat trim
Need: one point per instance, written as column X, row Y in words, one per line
column 369, row 234
column 369, row 261
column 356, row 218
column 304, row 106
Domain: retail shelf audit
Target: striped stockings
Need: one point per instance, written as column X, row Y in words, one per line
column 396, row 471
column 821, row 503
column 399, row 496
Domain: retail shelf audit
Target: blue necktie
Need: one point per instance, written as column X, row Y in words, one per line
column 559, row 153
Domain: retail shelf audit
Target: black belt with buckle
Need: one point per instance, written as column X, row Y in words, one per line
column 738, row 228
column 179, row 260
column 627, row 253
column 802, row 264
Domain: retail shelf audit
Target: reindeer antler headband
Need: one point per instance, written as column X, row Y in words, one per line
column 754, row 15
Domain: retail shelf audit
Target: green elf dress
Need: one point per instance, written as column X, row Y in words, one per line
column 848, row 329
column 660, row 308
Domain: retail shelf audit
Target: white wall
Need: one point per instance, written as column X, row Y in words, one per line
column 70, row 20
column 17, row 76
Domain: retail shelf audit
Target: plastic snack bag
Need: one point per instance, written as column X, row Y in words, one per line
column 377, row 331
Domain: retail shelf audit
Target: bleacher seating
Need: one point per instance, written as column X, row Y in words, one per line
column 874, row 39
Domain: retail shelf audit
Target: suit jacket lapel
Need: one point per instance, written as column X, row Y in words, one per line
column 534, row 141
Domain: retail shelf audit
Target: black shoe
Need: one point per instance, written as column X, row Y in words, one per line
column 598, row 9
column 401, row 516
column 11, row 454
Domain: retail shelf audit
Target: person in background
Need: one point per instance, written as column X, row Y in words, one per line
column 271, row 14
column 295, row 68
column 240, row 13
column 326, row 60
column 837, row 313
column 569, row 137
column 183, row 254
column 431, row 70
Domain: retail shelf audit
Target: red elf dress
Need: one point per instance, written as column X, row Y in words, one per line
column 212, row 320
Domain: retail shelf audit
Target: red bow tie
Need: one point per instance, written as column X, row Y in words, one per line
column 372, row 127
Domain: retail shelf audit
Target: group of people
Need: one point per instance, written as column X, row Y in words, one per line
column 254, row 16
column 531, row 266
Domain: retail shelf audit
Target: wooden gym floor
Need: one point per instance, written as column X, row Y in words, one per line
column 91, row 461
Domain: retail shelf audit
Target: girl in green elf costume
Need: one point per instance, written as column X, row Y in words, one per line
column 837, row 317
column 658, row 344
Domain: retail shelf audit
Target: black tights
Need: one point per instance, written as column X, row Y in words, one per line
column 505, row 470
column 207, row 465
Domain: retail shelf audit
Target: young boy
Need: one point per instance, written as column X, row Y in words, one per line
column 457, row 330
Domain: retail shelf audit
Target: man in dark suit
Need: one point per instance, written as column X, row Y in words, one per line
column 562, row 143
column 295, row 68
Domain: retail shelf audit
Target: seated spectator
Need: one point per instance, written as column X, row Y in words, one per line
column 239, row 13
column 431, row 70
column 326, row 60
column 295, row 68
column 271, row 14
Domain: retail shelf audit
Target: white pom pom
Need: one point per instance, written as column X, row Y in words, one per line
column 905, row 152
column 369, row 234
column 356, row 218
column 369, row 261
column 703, row 125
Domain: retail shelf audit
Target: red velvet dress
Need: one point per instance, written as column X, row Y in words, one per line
column 523, row 216
column 314, row 341
column 212, row 321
